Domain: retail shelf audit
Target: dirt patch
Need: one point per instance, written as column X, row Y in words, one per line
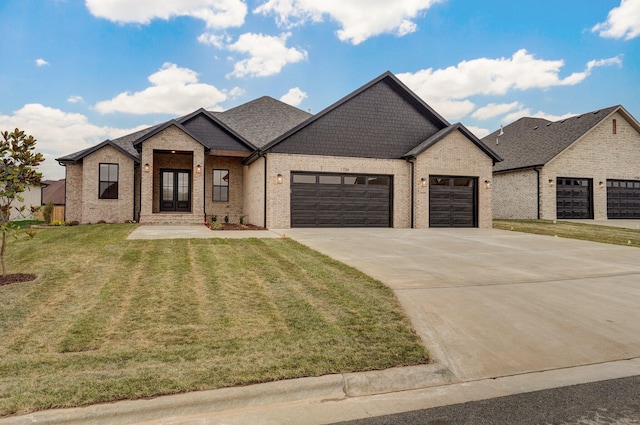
column 235, row 226
column 17, row 278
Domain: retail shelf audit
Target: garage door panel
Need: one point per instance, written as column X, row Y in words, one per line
column 452, row 201
column 623, row 199
column 574, row 198
column 340, row 200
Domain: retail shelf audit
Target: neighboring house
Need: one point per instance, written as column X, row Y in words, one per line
column 583, row 167
column 53, row 191
column 380, row 157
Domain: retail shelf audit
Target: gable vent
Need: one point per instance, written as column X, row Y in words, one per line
column 535, row 128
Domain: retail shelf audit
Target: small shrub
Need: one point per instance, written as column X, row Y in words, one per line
column 47, row 212
column 58, row 223
column 226, row 218
column 74, row 223
column 214, row 218
column 215, row 225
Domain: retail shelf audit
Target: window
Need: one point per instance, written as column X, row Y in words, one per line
column 221, row 185
column 615, row 130
column 304, row 178
column 108, row 181
column 330, row 179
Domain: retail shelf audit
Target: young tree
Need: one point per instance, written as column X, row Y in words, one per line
column 17, row 172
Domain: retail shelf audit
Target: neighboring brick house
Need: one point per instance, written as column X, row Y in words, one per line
column 379, row 157
column 583, row 167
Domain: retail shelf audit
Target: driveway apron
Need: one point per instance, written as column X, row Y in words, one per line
column 489, row 303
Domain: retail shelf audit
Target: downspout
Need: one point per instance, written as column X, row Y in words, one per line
column 538, row 187
column 412, row 209
column 265, row 189
column 139, row 188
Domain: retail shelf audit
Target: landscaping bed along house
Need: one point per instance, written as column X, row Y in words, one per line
column 108, row 318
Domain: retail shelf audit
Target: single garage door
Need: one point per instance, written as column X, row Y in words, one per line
column 453, row 201
column 623, row 199
column 574, row 198
column 340, row 200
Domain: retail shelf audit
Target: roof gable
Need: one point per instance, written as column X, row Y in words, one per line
column 533, row 142
column 79, row 156
column 214, row 134
column 382, row 119
column 444, row 133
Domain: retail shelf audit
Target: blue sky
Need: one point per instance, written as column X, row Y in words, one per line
column 74, row 73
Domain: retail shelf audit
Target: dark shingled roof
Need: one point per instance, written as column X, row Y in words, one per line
column 53, row 191
column 262, row 120
column 530, row 142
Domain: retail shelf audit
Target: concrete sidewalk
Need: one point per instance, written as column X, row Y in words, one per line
column 193, row 231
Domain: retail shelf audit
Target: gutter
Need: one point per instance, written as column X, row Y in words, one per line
column 265, row 189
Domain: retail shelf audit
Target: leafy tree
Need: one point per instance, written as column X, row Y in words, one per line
column 17, row 172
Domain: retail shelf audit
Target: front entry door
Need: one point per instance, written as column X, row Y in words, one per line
column 175, row 193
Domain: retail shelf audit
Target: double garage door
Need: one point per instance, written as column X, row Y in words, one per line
column 340, row 200
column 574, row 198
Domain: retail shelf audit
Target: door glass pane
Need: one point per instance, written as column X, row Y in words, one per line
column 354, row 180
column 379, row 181
column 167, row 186
column 439, row 181
column 463, row 182
column 330, row 179
column 183, row 186
column 304, row 178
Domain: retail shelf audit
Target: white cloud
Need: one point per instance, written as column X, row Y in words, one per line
column 41, row 62
column 58, row 133
column 294, row 97
column 75, row 99
column 479, row 132
column 622, row 22
column 173, row 90
column 494, row 109
column 526, row 112
column 267, row 54
column 447, row 89
column 215, row 13
column 359, row 19
column 216, row 40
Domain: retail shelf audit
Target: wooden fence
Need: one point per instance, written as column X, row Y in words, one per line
column 57, row 215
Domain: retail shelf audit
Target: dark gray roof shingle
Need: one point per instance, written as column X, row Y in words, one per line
column 262, row 120
column 530, row 142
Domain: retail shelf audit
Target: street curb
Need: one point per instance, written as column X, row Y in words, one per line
column 327, row 387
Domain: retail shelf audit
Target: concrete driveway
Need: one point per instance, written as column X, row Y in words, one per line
column 491, row 303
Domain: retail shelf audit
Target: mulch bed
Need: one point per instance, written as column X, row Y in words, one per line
column 16, row 278
column 237, row 226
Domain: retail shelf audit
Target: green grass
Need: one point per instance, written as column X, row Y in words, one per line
column 565, row 229
column 110, row 319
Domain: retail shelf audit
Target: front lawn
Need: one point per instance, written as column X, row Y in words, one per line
column 111, row 319
column 566, row 229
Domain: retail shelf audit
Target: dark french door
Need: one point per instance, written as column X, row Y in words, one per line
column 175, row 190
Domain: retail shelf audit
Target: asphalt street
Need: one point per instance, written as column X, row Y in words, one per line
column 606, row 402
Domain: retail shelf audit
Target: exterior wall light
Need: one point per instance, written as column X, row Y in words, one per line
column 550, row 182
column 423, row 182
column 147, row 167
column 601, row 185
column 279, row 178
column 487, row 184
column 198, row 168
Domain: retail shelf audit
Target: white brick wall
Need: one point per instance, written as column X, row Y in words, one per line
column 515, row 195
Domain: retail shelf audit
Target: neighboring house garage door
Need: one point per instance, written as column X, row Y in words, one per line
column 623, row 199
column 574, row 198
column 340, row 200
column 452, row 201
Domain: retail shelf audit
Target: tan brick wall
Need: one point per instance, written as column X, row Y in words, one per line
column 110, row 210
column 169, row 139
column 73, row 190
column 599, row 155
column 515, row 195
column 233, row 208
column 279, row 197
column 455, row 155
column 253, row 192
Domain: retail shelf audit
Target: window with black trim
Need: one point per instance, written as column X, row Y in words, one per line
column 108, row 181
column 221, row 185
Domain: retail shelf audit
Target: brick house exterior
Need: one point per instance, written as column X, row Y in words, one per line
column 598, row 150
column 371, row 151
